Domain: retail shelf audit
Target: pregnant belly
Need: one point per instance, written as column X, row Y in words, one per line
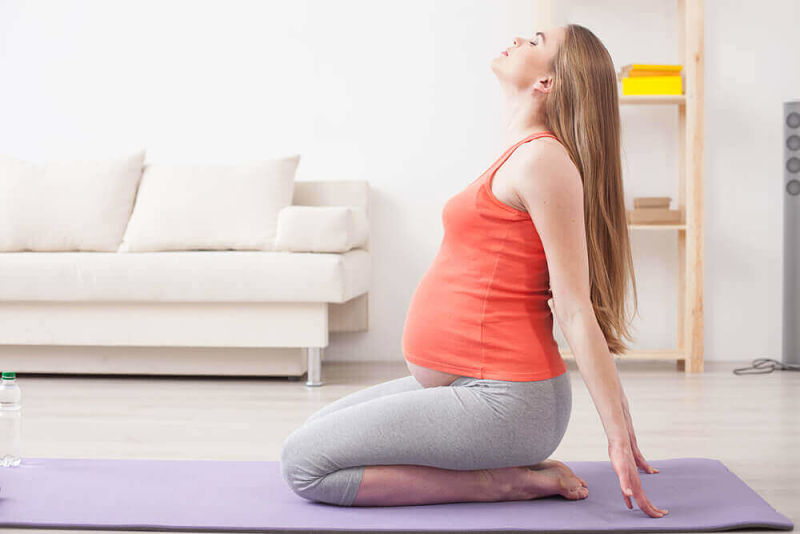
column 430, row 378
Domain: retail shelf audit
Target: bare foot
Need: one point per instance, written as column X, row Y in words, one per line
column 554, row 474
column 551, row 477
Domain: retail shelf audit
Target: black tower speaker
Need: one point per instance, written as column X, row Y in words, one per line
column 791, row 232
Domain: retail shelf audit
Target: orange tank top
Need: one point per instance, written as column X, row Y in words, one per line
column 481, row 308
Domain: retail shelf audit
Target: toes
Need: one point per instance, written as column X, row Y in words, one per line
column 580, row 483
column 577, row 493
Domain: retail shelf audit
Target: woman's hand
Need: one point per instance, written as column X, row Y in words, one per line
column 641, row 463
column 624, row 465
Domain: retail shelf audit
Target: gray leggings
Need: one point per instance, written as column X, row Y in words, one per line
column 472, row 423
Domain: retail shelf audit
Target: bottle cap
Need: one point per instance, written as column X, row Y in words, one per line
column 9, row 375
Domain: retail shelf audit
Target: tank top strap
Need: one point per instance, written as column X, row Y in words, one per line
column 507, row 154
column 531, row 137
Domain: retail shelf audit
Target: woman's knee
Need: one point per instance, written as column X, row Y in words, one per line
column 293, row 463
column 301, row 465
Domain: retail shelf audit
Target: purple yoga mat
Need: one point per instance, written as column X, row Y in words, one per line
column 700, row 493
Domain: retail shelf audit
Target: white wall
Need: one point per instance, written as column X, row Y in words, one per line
column 401, row 94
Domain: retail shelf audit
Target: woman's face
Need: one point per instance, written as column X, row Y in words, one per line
column 524, row 65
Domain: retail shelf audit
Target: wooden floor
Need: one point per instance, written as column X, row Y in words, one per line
column 751, row 422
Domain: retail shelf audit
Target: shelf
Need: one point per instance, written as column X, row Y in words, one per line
column 654, row 226
column 656, row 354
column 652, row 99
column 689, row 228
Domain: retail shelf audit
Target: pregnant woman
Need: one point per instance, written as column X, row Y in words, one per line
column 489, row 396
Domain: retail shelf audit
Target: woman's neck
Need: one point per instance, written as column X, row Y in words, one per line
column 521, row 118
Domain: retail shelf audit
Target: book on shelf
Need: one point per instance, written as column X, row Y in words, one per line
column 651, row 79
column 651, row 202
column 653, row 210
column 654, row 216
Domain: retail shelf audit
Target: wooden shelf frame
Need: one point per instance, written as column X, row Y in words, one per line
column 690, row 186
column 689, row 353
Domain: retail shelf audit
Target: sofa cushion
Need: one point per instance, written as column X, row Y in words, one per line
column 210, row 206
column 321, row 228
column 184, row 276
column 68, row 205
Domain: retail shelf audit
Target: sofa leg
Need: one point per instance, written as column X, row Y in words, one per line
column 314, row 366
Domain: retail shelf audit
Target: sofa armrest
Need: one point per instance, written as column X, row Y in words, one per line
column 321, row 228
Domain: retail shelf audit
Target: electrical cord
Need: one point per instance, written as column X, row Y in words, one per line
column 767, row 365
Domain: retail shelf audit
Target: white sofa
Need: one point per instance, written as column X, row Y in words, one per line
column 196, row 312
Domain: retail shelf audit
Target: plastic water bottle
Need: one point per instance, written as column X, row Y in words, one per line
column 10, row 421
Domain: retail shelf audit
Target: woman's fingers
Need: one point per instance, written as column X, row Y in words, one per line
column 624, row 463
column 627, row 501
column 646, row 506
column 641, row 463
column 637, row 491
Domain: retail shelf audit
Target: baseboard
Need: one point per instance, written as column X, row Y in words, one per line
column 229, row 361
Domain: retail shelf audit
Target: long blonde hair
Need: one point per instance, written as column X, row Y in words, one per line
column 582, row 110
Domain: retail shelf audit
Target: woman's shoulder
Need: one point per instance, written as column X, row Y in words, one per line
column 542, row 151
column 543, row 160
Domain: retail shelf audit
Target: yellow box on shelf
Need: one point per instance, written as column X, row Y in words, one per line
column 645, row 69
column 652, row 85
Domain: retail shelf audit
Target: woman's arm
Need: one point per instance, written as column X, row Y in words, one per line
column 549, row 186
column 598, row 370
